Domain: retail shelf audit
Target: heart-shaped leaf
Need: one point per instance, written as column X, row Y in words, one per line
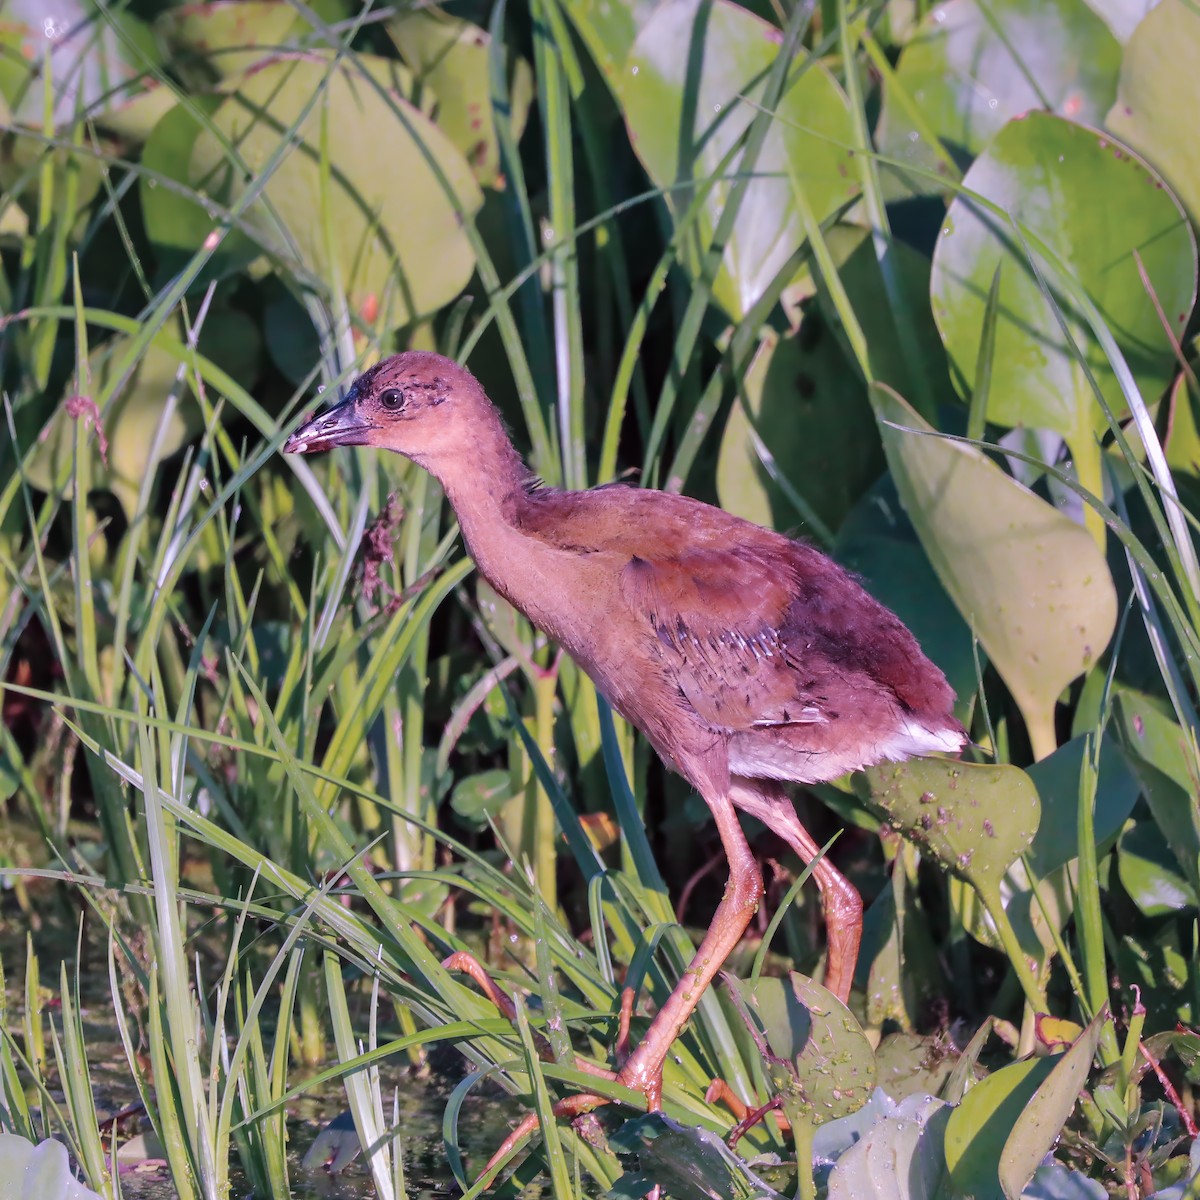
column 1031, row 583
column 449, row 56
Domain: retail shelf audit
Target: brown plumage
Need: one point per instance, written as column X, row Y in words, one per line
column 746, row 658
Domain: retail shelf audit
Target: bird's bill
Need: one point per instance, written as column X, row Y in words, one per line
column 340, row 426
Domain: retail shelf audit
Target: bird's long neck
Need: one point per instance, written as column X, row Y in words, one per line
column 486, row 488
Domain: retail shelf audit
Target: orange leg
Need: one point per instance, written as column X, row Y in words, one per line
column 643, row 1068
column 842, row 904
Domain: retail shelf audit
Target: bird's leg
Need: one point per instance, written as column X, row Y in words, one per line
column 841, row 902
column 643, row 1068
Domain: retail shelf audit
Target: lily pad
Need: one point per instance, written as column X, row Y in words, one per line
column 1159, row 87
column 1032, row 584
column 683, row 90
column 971, row 66
column 391, row 235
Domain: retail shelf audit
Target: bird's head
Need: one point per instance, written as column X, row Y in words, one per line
column 417, row 403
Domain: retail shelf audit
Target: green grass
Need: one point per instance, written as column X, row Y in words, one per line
column 286, row 795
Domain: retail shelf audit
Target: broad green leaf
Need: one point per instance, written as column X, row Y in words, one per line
column 232, row 38
column 1164, row 758
column 878, row 543
column 973, row 818
column 1057, row 781
column 1039, row 1124
column 690, row 1163
column 1122, row 16
column 1158, row 91
column 1150, row 873
column 824, row 1066
column 449, row 56
column 902, row 1157
column 381, row 224
column 1030, row 582
column 973, row 65
column 912, row 1064
column 901, row 969
column 609, row 30
column 178, row 221
column 810, row 418
column 979, row 1128
column 682, row 92
column 1098, row 208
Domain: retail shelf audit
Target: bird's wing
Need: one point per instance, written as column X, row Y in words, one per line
column 757, row 629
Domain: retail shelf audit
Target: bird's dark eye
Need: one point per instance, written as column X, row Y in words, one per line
column 391, row 399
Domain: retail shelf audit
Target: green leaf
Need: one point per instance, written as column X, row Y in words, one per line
column 688, row 1162
column 449, row 56
column 972, row 66
column 1159, row 87
column 1094, row 205
column 1030, row 582
column 878, row 543
column 979, row 1128
column 682, row 91
column 901, row 1157
column 381, row 223
column 974, row 818
column 1163, row 758
column 232, row 38
column 1039, row 1124
column 824, row 1065
column 609, row 30
column 1150, row 873
column 479, row 798
column 808, row 413
column 1057, row 781
column 98, row 57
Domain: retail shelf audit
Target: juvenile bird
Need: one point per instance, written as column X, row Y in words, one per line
column 746, row 658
